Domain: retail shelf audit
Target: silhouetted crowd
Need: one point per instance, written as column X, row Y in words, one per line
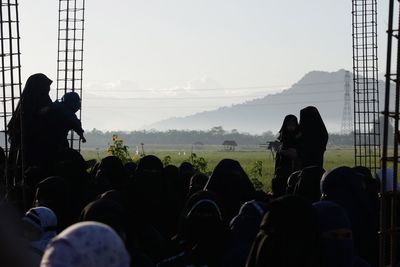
column 58, row 213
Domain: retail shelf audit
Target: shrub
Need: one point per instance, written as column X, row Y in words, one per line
column 118, row 149
column 199, row 163
column 255, row 175
column 166, row 160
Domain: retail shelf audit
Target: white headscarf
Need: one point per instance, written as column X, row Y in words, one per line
column 44, row 219
column 86, row 244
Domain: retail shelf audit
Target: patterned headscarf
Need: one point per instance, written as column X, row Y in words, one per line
column 44, row 219
column 86, row 244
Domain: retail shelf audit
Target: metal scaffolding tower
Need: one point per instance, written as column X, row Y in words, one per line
column 10, row 67
column 71, row 20
column 389, row 230
column 347, row 117
column 365, row 84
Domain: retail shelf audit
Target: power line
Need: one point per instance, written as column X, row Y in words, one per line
column 221, row 96
column 203, row 106
column 220, row 88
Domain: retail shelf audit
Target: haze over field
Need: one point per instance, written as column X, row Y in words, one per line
column 149, row 61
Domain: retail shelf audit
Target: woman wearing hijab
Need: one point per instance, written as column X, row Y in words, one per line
column 292, row 182
column 86, row 244
column 173, row 202
column 24, row 128
column 345, row 187
column 231, row 185
column 288, row 134
column 313, row 138
column 287, row 236
column 54, row 193
column 39, row 227
column 286, row 161
column 148, row 190
column 243, row 230
column 197, row 183
column 186, row 171
column 111, row 175
column 201, row 237
column 308, row 185
column 336, row 237
column 14, row 249
column 111, row 213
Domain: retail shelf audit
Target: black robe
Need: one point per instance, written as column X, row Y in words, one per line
column 313, row 138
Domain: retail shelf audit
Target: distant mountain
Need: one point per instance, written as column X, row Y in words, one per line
column 325, row 90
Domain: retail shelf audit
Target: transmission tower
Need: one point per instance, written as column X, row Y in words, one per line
column 71, row 22
column 365, row 84
column 347, row 117
column 10, row 68
column 389, row 230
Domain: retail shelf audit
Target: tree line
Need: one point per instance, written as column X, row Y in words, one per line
column 214, row 136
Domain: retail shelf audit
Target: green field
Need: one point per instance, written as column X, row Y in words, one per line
column 247, row 158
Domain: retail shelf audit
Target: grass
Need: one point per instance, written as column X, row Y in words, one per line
column 334, row 157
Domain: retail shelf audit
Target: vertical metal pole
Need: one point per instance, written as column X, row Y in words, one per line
column 383, row 202
column 3, row 87
column 81, row 65
column 377, row 128
column 19, row 50
column 58, row 48
column 393, row 226
column 66, row 49
column 19, row 87
column 74, row 52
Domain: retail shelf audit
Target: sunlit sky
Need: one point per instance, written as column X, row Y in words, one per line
column 176, row 48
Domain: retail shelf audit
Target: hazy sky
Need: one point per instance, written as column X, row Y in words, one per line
column 176, row 48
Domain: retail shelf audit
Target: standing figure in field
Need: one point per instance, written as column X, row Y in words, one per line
column 286, row 161
column 23, row 128
column 313, row 138
column 58, row 119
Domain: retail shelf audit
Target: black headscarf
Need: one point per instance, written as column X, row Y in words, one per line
column 25, row 124
column 113, row 214
column 34, row 97
column 71, row 165
column 14, row 250
column 115, row 196
column 292, row 182
column 130, row 169
column 286, row 161
column 111, row 174
column 147, row 191
column 202, row 229
column 345, row 186
column 54, row 193
column 336, row 236
column 232, row 185
column 173, row 201
column 288, row 235
column 149, row 164
column 243, row 230
column 108, row 212
column 314, row 137
column 197, row 183
column 309, row 182
column 285, row 136
column 186, row 171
